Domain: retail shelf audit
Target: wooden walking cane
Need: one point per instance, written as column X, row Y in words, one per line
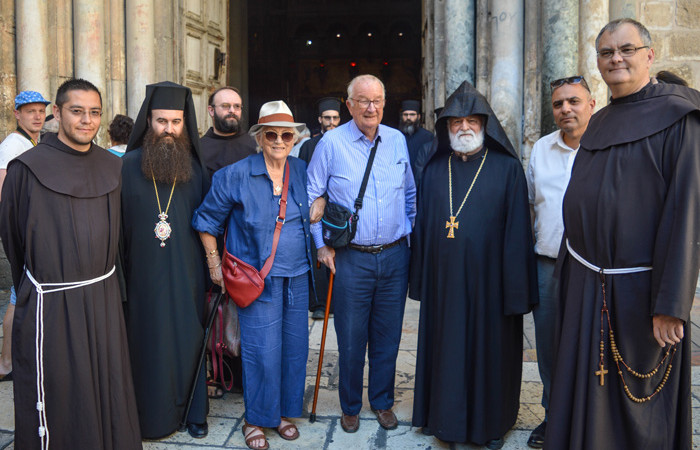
column 312, row 417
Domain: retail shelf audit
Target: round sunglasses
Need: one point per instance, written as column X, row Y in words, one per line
column 287, row 136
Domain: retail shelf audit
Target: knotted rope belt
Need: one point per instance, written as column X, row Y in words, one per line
column 617, row 356
column 39, row 341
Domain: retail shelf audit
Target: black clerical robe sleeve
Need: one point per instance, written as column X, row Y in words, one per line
column 13, row 213
column 520, row 292
column 677, row 247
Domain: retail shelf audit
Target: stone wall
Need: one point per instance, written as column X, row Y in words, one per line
column 675, row 30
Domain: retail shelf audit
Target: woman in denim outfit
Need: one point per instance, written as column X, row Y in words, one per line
column 244, row 197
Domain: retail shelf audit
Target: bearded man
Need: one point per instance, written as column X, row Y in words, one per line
column 473, row 269
column 417, row 137
column 226, row 142
column 163, row 181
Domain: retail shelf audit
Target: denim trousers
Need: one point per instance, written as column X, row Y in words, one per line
column 369, row 297
column 545, row 316
column 274, row 350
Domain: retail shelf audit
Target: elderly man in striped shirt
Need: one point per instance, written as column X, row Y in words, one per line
column 372, row 271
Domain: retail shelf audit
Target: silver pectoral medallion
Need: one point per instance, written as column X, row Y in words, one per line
column 162, row 229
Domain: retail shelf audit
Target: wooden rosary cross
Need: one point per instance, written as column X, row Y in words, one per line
column 601, row 373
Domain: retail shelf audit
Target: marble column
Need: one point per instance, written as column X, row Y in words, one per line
column 428, row 42
column 507, row 25
column 560, row 28
column 593, row 17
column 623, row 8
column 532, row 78
column 88, row 42
column 117, row 59
column 61, row 44
column 140, row 52
column 483, row 48
column 32, row 46
column 439, row 53
column 459, row 43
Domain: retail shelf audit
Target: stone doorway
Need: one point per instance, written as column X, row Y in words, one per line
column 300, row 51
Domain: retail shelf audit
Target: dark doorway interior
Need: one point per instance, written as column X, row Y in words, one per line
column 300, row 51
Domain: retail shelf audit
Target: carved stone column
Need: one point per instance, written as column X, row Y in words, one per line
column 507, row 32
column 140, row 52
column 32, row 54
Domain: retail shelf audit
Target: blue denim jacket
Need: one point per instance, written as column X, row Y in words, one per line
column 234, row 196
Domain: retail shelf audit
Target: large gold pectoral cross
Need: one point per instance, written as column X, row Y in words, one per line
column 601, row 373
column 452, row 225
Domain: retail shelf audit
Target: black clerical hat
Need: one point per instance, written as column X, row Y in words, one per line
column 328, row 103
column 410, row 105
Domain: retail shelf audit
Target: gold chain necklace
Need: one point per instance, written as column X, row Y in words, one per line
column 452, row 225
column 162, row 228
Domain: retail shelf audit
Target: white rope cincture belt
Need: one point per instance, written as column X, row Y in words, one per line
column 39, row 341
column 594, row 268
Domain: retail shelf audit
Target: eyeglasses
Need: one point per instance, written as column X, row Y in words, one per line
column 625, row 52
column 365, row 103
column 80, row 112
column 578, row 79
column 333, row 118
column 272, row 136
column 227, row 106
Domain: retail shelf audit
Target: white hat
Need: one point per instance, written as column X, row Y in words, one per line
column 275, row 114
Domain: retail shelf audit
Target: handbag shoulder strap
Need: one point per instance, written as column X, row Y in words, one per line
column 365, row 179
column 278, row 225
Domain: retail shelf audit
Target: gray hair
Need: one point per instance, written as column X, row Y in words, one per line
column 615, row 24
column 363, row 78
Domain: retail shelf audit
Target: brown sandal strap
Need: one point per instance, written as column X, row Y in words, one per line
column 281, row 430
column 256, row 433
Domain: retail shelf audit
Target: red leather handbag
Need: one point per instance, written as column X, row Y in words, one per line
column 243, row 282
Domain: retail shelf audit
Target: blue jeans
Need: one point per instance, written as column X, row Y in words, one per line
column 545, row 315
column 369, row 297
column 274, row 350
column 13, row 296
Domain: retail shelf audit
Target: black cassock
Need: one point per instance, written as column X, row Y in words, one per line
column 473, row 291
column 165, row 289
column 60, row 218
column 633, row 200
column 221, row 151
column 416, row 144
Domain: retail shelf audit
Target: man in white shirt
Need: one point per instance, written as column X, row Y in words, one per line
column 547, row 178
column 30, row 112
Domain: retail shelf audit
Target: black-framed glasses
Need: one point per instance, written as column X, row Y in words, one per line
column 578, row 79
column 80, row 112
column 330, row 118
column 625, row 52
column 272, row 136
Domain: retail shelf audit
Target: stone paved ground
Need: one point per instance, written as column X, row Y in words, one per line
column 226, row 415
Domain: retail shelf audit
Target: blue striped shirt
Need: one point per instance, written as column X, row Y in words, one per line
column 337, row 166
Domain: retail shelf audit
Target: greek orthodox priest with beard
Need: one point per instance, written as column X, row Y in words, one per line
column 473, row 269
column 163, row 181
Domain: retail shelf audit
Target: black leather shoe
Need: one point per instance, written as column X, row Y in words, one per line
column 198, row 431
column 537, row 437
column 495, row 444
column 318, row 314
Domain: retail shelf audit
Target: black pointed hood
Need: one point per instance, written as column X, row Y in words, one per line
column 465, row 101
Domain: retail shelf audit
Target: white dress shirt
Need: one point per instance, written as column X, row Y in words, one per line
column 547, row 178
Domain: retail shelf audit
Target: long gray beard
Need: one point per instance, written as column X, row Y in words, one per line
column 167, row 160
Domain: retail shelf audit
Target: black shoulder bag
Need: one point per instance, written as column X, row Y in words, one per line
column 339, row 224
